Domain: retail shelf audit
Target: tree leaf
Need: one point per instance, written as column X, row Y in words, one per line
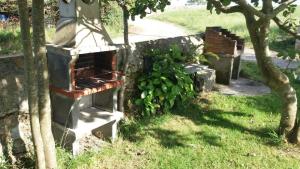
column 143, row 95
column 138, row 102
column 164, row 88
column 226, row 2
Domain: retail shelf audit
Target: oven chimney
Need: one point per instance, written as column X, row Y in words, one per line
column 79, row 25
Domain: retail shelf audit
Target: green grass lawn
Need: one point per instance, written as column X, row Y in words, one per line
column 213, row 131
column 196, row 20
column 10, row 42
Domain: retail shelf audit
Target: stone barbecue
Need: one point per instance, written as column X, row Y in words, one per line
column 84, row 76
column 229, row 47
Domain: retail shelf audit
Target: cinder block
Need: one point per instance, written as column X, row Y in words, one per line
column 223, row 67
column 203, row 77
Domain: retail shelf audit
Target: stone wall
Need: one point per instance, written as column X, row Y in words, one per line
column 12, row 86
column 136, row 63
column 186, row 43
column 14, row 128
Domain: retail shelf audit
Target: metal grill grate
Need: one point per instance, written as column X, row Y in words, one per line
column 96, row 80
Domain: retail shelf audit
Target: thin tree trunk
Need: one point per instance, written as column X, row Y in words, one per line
column 274, row 78
column 126, row 55
column 31, row 84
column 9, row 147
column 43, row 82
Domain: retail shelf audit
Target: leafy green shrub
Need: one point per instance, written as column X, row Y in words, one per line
column 165, row 84
column 111, row 13
column 194, row 56
column 10, row 41
column 112, row 17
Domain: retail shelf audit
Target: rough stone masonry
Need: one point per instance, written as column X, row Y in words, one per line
column 14, row 128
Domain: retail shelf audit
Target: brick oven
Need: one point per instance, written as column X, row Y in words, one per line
column 84, row 76
column 229, row 47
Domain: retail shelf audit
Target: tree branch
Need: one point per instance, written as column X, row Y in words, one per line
column 285, row 28
column 281, row 7
column 232, row 9
column 259, row 22
column 249, row 8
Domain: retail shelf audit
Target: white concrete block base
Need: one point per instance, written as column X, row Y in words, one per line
column 102, row 127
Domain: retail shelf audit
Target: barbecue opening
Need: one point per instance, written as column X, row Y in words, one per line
column 95, row 69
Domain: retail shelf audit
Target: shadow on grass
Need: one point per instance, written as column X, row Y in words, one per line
column 210, row 138
column 138, row 131
column 168, row 138
column 217, row 118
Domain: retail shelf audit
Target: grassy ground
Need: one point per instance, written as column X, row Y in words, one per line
column 196, row 20
column 214, row 131
column 10, row 41
column 10, row 38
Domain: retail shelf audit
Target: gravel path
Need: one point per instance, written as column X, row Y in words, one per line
column 149, row 29
column 250, row 56
column 243, row 87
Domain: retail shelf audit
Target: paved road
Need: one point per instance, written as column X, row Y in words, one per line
column 149, row 29
column 250, row 56
column 243, row 87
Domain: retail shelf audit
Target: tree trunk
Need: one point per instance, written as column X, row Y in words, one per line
column 273, row 77
column 43, row 82
column 9, row 146
column 31, row 74
column 126, row 55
